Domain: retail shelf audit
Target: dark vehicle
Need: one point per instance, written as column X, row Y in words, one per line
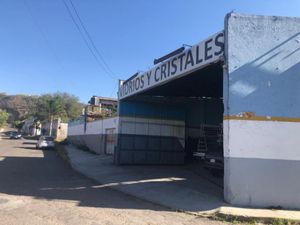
column 15, row 135
column 214, row 161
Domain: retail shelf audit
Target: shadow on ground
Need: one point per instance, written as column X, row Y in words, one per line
column 28, row 143
column 176, row 187
column 46, row 176
column 43, row 174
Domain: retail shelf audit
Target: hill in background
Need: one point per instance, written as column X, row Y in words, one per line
column 18, row 106
column 21, row 107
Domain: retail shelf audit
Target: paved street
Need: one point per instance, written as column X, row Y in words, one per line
column 37, row 187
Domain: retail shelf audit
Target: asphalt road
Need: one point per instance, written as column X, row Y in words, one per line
column 38, row 187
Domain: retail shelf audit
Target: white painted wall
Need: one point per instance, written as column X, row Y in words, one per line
column 264, row 140
column 99, row 126
column 77, row 129
column 95, row 127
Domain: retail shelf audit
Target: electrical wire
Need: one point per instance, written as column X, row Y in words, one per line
column 43, row 35
column 86, row 41
column 114, row 89
column 90, row 39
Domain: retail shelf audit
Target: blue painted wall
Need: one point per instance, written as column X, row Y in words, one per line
column 193, row 111
column 151, row 110
column 204, row 111
column 263, row 65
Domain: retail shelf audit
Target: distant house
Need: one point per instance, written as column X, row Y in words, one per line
column 100, row 107
column 31, row 127
column 59, row 130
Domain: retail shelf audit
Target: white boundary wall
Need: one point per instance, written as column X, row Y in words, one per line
column 95, row 137
column 95, row 127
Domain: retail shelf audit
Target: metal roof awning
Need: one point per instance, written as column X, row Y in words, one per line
column 198, row 56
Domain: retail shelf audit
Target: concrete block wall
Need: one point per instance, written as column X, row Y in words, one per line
column 62, row 131
column 94, row 137
column 262, row 111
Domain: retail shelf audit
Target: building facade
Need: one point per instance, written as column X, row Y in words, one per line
column 233, row 97
column 245, row 79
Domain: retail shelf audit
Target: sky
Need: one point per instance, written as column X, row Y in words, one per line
column 41, row 50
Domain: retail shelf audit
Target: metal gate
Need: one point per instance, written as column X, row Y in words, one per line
column 110, row 141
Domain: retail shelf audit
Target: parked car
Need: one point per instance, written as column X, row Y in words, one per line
column 45, row 142
column 214, row 161
column 15, row 135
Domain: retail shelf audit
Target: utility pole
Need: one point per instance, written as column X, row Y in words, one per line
column 51, row 109
column 51, row 124
column 85, row 117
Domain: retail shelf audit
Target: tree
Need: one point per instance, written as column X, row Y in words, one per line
column 18, row 124
column 42, row 108
column 3, row 117
column 71, row 105
column 57, row 105
column 19, row 107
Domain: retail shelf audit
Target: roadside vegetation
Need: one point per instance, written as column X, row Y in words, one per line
column 60, row 148
column 42, row 107
column 62, row 105
column 252, row 221
column 3, row 117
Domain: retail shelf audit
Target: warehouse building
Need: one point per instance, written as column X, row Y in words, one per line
column 232, row 98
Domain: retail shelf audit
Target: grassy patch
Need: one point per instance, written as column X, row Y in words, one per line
column 251, row 221
column 60, row 148
column 83, row 148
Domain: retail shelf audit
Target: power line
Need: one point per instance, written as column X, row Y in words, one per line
column 114, row 89
column 84, row 38
column 86, row 41
column 90, row 38
column 43, row 35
